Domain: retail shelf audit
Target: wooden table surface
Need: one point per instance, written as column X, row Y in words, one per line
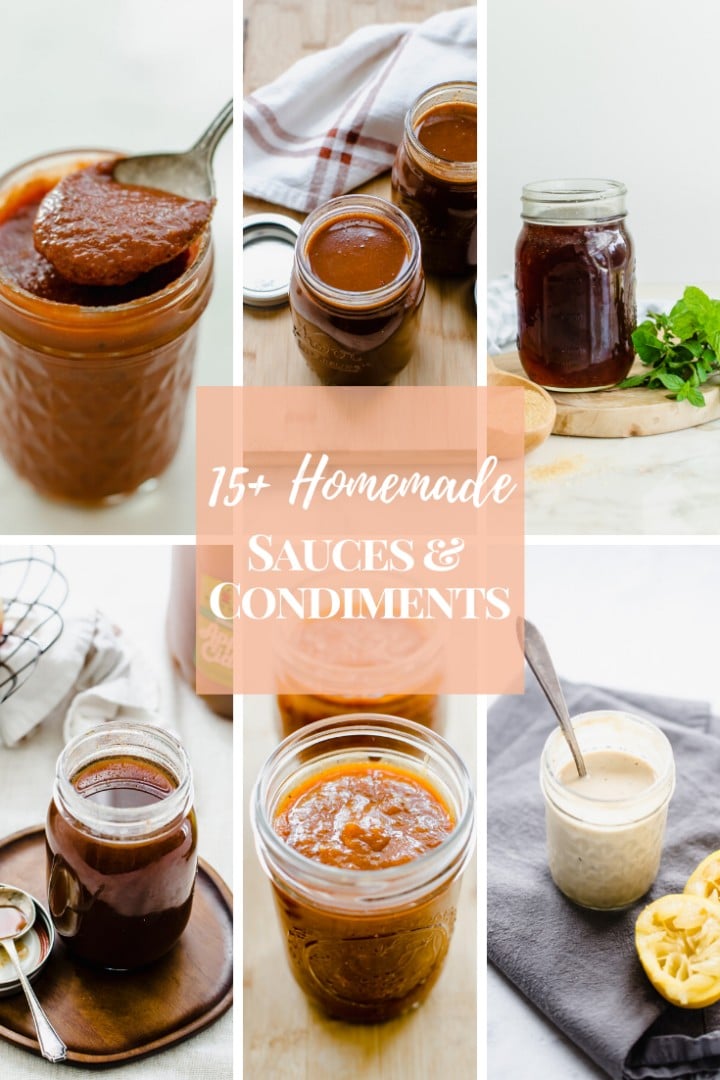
column 287, row 1039
column 277, row 33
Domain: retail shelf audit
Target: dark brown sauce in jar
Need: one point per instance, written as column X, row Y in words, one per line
column 434, row 177
column 356, row 291
column 575, row 286
column 121, row 842
column 449, row 131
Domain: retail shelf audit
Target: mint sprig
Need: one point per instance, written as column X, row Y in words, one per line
column 682, row 348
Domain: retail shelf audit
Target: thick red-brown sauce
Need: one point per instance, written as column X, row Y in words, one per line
column 357, row 253
column 449, row 131
column 363, row 816
column 26, row 268
column 98, row 232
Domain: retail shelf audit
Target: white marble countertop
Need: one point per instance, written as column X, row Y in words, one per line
column 130, row 585
column 638, row 617
column 658, row 484
column 135, row 80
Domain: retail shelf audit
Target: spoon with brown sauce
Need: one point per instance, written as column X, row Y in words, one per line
column 540, row 662
column 17, row 915
column 187, row 174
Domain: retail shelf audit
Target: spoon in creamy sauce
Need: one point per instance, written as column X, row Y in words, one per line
column 540, row 662
column 17, row 915
column 188, row 174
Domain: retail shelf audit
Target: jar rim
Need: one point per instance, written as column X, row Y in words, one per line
column 140, row 305
column 336, row 888
column 461, row 172
column 579, row 190
column 120, row 738
column 343, row 206
column 664, row 784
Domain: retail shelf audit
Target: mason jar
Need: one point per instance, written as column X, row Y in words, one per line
column 356, row 291
column 365, row 945
column 93, row 382
column 575, row 282
column 605, row 831
column 121, row 839
column 333, row 667
column 435, row 180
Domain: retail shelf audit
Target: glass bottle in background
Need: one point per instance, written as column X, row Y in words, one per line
column 195, row 572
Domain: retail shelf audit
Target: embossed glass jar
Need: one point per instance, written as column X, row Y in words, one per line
column 439, row 195
column 93, row 399
column 604, row 853
column 365, row 945
column 575, row 282
column 357, row 338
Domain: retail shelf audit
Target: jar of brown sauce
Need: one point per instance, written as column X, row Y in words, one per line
column 434, row 176
column 575, row 281
column 121, row 845
column 93, row 379
column 331, row 667
column 356, row 291
column 364, row 825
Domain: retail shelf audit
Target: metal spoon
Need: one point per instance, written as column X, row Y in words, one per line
column 542, row 667
column 188, row 174
column 51, row 1045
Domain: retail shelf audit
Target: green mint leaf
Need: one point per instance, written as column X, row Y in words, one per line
column 696, row 397
column 669, row 381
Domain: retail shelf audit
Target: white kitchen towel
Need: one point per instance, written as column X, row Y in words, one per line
column 89, row 675
column 335, row 118
column 502, row 314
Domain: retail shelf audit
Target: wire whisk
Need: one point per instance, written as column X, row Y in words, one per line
column 32, row 593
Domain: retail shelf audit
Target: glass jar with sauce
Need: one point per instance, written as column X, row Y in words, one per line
column 605, row 830
column 366, row 938
column 333, row 667
column 93, row 380
column 434, row 176
column 575, row 281
column 121, row 842
column 356, row 291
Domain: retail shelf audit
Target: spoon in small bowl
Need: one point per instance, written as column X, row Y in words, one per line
column 540, row 662
column 17, row 915
column 188, row 174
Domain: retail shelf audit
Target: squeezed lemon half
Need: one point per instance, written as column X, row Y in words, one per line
column 705, row 881
column 678, row 941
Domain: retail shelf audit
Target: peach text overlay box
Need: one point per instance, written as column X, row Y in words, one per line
column 377, row 537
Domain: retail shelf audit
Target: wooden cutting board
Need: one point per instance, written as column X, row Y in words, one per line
column 616, row 414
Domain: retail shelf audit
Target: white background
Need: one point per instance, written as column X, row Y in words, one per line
column 640, row 618
column 139, row 76
column 626, row 89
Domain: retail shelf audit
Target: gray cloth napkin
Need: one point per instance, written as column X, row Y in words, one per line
column 580, row 967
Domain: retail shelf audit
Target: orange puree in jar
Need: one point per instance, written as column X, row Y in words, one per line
column 335, row 666
column 362, row 816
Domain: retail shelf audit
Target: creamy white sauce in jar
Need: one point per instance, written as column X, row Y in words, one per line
column 605, row 830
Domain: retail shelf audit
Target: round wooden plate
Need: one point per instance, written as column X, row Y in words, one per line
column 109, row 1017
column 617, row 414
